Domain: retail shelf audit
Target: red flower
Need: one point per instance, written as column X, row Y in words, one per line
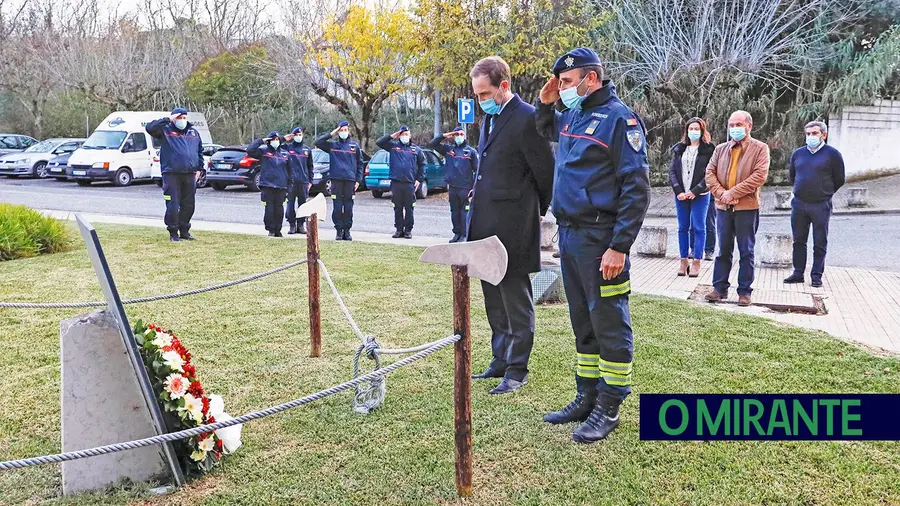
column 196, row 389
column 205, row 405
column 218, row 456
column 211, row 419
column 165, row 349
column 190, row 371
column 219, row 445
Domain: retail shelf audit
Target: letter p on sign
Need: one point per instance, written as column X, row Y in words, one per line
column 465, row 112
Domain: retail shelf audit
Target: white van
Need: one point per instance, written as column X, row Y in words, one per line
column 120, row 149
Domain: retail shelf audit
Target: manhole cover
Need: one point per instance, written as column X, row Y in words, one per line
column 778, row 301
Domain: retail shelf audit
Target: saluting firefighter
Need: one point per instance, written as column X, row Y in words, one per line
column 302, row 173
column 345, row 170
column 407, row 171
column 461, row 163
column 600, row 197
column 274, row 179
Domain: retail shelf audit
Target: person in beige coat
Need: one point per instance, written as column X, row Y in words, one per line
column 737, row 170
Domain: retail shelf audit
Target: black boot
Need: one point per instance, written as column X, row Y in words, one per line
column 398, row 234
column 347, row 235
column 173, row 236
column 579, row 409
column 407, row 234
column 301, row 227
column 271, row 234
column 603, row 420
column 292, row 224
column 340, row 235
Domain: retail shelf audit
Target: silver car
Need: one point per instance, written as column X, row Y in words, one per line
column 12, row 143
column 33, row 161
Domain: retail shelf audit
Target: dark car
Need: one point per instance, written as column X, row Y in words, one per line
column 13, row 143
column 56, row 167
column 321, row 163
column 231, row 166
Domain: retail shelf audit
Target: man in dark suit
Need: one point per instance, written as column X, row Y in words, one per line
column 512, row 191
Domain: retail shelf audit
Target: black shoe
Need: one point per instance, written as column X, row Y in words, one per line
column 456, row 238
column 508, row 385
column 398, row 234
column 603, row 420
column 708, row 255
column 340, row 235
column 292, row 227
column 301, row 227
column 407, row 234
column 816, row 283
column 174, row 238
column 278, row 234
column 489, row 373
column 577, row 411
column 271, row 234
column 347, row 235
column 794, row 278
column 188, row 237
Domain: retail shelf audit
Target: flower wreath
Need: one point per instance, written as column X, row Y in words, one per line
column 183, row 401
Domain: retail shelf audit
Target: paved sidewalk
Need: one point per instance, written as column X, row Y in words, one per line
column 860, row 305
column 883, row 196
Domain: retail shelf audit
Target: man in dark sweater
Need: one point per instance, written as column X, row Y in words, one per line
column 816, row 171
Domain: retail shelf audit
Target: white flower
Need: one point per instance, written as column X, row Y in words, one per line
column 207, row 444
column 162, row 339
column 194, row 407
column 230, row 436
column 198, row 456
column 216, row 405
column 173, row 360
column 177, row 386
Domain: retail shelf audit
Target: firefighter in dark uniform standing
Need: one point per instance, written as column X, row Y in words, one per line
column 274, row 179
column 345, row 171
column 600, row 197
column 461, row 163
column 407, row 171
column 302, row 173
column 180, row 159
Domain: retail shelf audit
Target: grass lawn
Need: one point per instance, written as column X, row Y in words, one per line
column 250, row 344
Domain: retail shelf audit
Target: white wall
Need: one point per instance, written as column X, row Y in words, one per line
column 868, row 137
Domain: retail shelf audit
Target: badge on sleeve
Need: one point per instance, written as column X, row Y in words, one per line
column 631, row 122
column 635, row 139
column 592, row 127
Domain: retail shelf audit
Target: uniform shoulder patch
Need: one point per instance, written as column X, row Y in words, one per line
column 635, row 140
column 631, row 122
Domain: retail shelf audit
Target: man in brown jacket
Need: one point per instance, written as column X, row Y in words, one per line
column 737, row 170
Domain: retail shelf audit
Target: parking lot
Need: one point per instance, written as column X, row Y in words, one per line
column 234, row 205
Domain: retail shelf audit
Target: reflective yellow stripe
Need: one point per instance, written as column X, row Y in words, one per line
column 265, row 203
column 467, row 208
column 353, row 197
column 414, row 204
column 617, row 381
column 588, row 359
column 334, row 197
column 621, row 367
column 613, row 290
column 167, row 197
column 616, row 373
column 587, row 372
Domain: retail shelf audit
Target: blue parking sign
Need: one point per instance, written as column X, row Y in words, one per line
column 465, row 110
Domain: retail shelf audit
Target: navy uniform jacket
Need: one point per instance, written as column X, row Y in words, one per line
column 346, row 163
column 407, row 163
column 180, row 150
column 513, row 187
column 460, row 162
column 301, row 162
column 274, row 165
column 602, row 174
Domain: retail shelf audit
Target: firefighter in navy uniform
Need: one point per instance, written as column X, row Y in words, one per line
column 345, row 171
column 274, row 179
column 600, row 197
column 302, row 172
column 461, row 162
column 407, row 171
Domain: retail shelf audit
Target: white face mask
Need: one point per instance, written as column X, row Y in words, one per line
column 275, row 144
column 343, row 135
column 404, row 139
column 298, row 139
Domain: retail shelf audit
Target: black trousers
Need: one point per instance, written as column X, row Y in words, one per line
column 403, row 198
column 342, row 195
column 804, row 214
column 510, row 313
column 459, row 207
column 273, row 202
column 297, row 195
column 179, row 192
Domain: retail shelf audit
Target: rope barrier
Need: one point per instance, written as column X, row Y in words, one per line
column 196, row 431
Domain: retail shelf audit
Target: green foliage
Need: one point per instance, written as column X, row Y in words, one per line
column 26, row 233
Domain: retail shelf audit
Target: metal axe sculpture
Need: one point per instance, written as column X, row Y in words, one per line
column 487, row 260
column 313, row 207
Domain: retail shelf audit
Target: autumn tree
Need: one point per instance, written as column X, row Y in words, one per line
column 362, row 62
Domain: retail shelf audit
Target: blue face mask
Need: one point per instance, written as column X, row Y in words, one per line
column 813, row 141
column 180, row 124
column 570, row 97
column 694, row 135
column 275, row 144
column 490, row 106
column 737, row 133
column 459, row 139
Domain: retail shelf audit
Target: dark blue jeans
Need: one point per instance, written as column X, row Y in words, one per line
column 710, row 229
column 343, row 193
column 804, row 214
column 692, row 225
column 734, row 226
column 403, row 198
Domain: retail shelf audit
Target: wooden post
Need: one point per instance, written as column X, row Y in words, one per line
column 462, row 381
column 312, row 265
